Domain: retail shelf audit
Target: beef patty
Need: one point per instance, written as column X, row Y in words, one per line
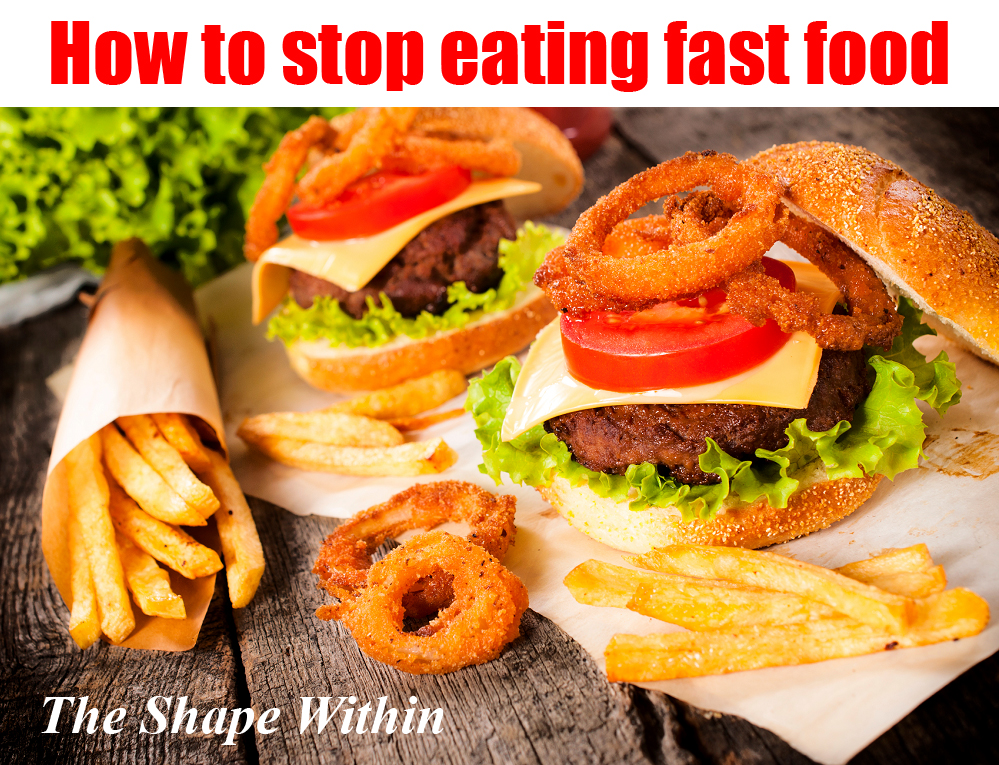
column 611, row 438
column 458, row 248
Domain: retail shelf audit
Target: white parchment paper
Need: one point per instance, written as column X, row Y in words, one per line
column 828, row 711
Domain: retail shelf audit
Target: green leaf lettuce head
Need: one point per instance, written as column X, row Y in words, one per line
column 885, row 438
column 76, row 180
column 325, row 321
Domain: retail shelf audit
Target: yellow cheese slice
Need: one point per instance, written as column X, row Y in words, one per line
column 352, row 263
column 545, row 389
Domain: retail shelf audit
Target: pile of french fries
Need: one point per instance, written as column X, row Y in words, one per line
column 363, row 436
column 747, row 610
column 132, row 485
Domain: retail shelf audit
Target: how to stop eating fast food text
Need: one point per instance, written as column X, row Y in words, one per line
column 536, row 54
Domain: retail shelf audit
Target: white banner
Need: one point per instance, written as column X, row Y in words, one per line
column 443, row 53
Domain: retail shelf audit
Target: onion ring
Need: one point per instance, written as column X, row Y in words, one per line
column 327, row 179
column 346, row 125
column 275, row 193
column 698, row 216
column 345, row 557
column 418, row 153
column 673, row 269
column 873, row 319
column 484, row 616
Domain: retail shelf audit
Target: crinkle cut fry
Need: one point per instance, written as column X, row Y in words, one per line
column 873, row 319
column 580, row 271
column 345, row 557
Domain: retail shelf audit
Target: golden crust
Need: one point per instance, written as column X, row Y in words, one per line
column 817, row 506
column 469, row 349
column 917, row 241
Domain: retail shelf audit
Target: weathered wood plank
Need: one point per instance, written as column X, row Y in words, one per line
column 543, row 700
column 39, row 658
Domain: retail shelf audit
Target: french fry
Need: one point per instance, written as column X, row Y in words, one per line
column 867, row 604
column 180, row 434
column 167, row 544
column 709, row 605
column 144, row 484
column 406, row 399
column 335, row 428
column 84, row 621
column 148, row 583
column 909, row 572
column 696, row 604
column 88, row 501
column 417, row 458
column 915, row 558
column 141, row 430
column 911, row 584
column 595, row 583
column 244, row 556
column 948, row 615
column 407, row 424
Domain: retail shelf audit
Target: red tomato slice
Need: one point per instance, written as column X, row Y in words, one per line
column 378, row 202
column 672, row 345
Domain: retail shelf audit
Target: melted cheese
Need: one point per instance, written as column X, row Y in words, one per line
column 352, row 263
column 545, row 389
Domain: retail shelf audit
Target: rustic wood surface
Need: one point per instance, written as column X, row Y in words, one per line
column 544, row 700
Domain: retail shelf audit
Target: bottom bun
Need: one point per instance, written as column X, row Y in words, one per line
column 817, row 504
column 475, row 346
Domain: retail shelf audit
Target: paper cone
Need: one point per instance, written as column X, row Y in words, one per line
column 143, row 353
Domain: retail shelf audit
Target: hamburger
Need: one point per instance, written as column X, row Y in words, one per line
column 797, row 435
column 409, row 249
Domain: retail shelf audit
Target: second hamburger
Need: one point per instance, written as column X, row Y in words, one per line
column 406, row 256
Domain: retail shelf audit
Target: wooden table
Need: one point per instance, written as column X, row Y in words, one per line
column 544, row 700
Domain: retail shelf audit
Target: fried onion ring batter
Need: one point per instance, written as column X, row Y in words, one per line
column 345, row 557
column 327, row 179
column 417, row 154
column 873, row 319
column 581, row 276
column 278, row 187
column 484, row 616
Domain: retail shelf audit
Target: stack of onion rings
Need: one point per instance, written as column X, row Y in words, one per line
column 345, row 557
column 375, row 138
column 712, row 239
column 580, row 270
column 484, row 616
column 873, row 319
column 360, row 142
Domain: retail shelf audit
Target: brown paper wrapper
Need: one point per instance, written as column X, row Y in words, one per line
column 143, row 353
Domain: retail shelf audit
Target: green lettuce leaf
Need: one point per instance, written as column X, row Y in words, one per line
column 936, row 380
column 325, row 320
column 885, row 438
column 75, row 180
